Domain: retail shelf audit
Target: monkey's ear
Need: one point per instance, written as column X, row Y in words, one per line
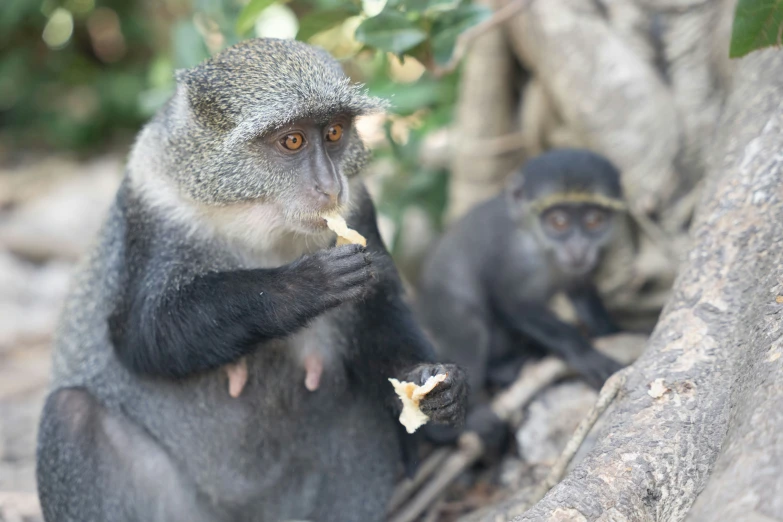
column 203, row 99
column 516, row 187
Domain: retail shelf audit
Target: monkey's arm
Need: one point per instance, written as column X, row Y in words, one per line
column 591, row 310
column 538, row 323
column 176, row 331
column 388, row 341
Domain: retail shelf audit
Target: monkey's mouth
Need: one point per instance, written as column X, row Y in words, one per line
column 311, row 224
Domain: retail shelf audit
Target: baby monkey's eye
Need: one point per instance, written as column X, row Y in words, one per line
column 558, row 220
column 293, row 141
column 594, row 219
column 334, row 133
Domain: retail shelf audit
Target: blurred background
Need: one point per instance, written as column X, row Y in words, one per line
column 476, row 88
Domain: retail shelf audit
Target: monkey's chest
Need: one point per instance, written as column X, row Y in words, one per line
column 284, row 419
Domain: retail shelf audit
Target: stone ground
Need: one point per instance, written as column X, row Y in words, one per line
column 49, row 212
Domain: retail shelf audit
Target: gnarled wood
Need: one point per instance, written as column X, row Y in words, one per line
column 717, row 426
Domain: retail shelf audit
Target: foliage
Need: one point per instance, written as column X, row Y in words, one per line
column 82, row 74
column 757, row 24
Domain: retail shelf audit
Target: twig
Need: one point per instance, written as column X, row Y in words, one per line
column 605, row 398
column 434, row 513
column 470, row 449
column 465, row 39
column 532, row 379
column 408, row 487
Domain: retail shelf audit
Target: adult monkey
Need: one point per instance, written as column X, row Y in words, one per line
column 215, row 250
column 484, row 292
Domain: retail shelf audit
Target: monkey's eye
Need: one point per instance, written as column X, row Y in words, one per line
column 293, row 141
column 594, row 220
column 334, row 133
column 558, row 221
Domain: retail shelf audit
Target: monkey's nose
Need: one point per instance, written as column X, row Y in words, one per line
column 328, row 194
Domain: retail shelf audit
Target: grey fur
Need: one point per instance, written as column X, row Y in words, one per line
column 204, row 136
column 118, row 446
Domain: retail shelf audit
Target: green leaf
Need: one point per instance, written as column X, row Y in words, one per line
column 319, row 21
column 390, row 31
column 189, row 47
column 757, row 24
column 247, row 18
column 430, row 7
column 450, row 25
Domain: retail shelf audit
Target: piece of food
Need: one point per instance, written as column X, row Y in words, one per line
column 345, row 235
column 411, row 395
column 237, row 377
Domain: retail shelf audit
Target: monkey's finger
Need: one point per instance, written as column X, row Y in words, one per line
column 347, row 265
column 452, row 414
column 357, row 278
column 346, row 250
column 429, row 370
column 439, row 400
column 354, row 293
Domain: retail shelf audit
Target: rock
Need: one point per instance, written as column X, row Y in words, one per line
column 62, row 219
column 551, row 420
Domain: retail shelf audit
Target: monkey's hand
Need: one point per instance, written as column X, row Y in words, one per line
column 447, row 402
column 333, row 276
column 595, row 367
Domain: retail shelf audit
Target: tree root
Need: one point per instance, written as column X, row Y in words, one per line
column 607, row 395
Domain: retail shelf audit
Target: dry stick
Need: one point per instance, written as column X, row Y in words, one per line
column 407, row 487
column 531, row 380
column 607, row 395
column 465, row 39
column 434, row 513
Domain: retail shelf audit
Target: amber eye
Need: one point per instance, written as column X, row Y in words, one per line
column 293, row 141
column 334, row 133
column 558, row 221
column 594, row 219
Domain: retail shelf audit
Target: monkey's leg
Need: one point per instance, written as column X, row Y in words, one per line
column 538, row 323
column 362, row 462
column 591, row 310
column 98, row 466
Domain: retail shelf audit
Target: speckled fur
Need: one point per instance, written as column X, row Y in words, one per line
column 117, row 445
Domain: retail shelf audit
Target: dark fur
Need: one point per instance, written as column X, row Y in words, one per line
column 484, row 292
column 140, row 426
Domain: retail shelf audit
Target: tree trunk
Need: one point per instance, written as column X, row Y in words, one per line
column 716, row 431
column 485, row 110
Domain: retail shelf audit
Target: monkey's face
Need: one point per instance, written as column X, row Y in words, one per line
column 576, row 234
column 263, row 132
column 304, row 168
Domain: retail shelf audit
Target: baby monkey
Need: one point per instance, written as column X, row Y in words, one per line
column 484, row 292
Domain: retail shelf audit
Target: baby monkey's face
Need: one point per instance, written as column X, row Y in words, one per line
column 576, row 234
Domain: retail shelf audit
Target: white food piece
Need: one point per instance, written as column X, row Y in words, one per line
column 345, row 235
column 411, row 395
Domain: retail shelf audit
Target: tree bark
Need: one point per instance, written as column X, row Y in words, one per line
column 485, row 110
column 716, row 430
column 605, row 91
